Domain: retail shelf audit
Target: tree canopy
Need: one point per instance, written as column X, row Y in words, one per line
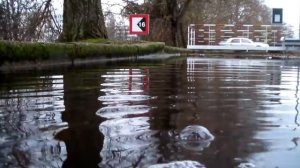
column 36, row 19
column 170, row 18
column 28, row 20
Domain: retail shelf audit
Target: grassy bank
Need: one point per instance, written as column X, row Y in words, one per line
column 29, row 51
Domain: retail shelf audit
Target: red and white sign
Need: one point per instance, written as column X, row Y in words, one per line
column 139, row 24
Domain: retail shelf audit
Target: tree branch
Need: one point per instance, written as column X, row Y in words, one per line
column 183, row 9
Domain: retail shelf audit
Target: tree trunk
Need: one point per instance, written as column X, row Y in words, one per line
column 166, row 18
column 83, row 19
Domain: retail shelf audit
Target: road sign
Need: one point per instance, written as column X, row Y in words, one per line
column 277, row 16
column 139, row 24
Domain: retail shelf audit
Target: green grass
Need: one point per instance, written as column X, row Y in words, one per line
column 169, row 49
column 97, row 40
column 91, row 48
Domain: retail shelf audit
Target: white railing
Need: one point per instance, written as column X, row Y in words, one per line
column 208, row 36
column 212, row 34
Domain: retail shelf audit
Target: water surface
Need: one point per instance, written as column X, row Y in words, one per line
column 125, row 114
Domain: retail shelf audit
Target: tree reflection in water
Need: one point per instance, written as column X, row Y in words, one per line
column 250, row 106
column 83, row 139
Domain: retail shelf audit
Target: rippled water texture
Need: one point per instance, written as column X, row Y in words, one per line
column 179, row 112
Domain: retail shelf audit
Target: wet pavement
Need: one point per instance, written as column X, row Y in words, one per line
column 179, row 112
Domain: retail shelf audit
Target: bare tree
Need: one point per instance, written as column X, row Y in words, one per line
column 230, row 12
column 170, row 18
column 110, row 24
column 28, row 20
column 166, row 19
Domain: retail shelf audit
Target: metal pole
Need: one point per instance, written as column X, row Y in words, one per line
column 297, row 100
column 191, row 34
column 189, row 42
column 266, row 34
column 248, row 30
column 274, row 36
column 208, row 34
column 194, row 36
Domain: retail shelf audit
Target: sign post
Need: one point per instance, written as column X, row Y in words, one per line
column 277, row 16
column 139, row 24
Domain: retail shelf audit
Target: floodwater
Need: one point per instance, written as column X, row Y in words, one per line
column 127, row 114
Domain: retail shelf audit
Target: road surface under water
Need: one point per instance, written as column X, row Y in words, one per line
column 130, row 114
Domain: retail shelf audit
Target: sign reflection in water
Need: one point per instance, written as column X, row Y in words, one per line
column 250, row 106
column 128, row 138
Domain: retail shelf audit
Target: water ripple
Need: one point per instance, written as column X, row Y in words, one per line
column 128, row 138
column 122, row 111
column 30, row 114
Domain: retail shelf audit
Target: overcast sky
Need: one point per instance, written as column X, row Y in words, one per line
column 291, row 11
column 291, row 8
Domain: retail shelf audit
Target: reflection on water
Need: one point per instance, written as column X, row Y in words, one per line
column 30, row 112
column 125, row 115
column 264, row 97
column 82, row 138
column 129, row 142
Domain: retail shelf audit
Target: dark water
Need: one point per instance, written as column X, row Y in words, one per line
column 123, row 114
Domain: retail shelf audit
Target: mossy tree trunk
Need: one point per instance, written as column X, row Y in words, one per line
column 83, row 19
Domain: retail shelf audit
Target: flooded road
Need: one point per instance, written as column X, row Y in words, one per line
column 176, row 112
